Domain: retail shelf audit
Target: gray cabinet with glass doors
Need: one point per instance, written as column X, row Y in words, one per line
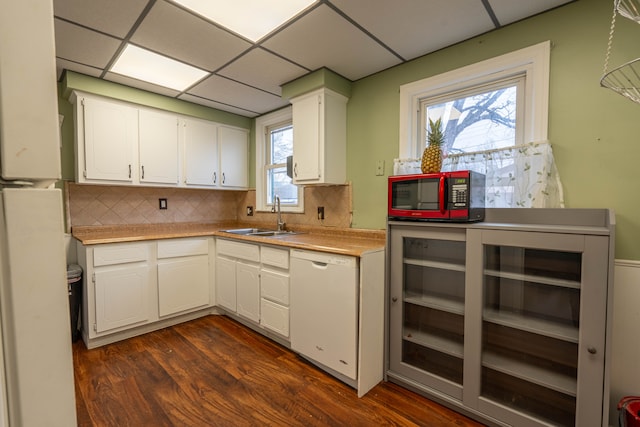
column 507, row 320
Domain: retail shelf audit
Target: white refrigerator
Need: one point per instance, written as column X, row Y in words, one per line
column 36, row 379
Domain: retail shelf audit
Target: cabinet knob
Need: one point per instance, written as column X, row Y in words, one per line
column 592, row 350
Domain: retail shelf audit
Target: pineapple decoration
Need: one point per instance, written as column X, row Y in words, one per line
column 432, row 155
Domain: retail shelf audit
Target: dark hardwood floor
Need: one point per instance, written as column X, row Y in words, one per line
column 214, row 371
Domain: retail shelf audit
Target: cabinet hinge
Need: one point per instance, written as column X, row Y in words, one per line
column 95, row 327
column 93, row 277
column 84, row 173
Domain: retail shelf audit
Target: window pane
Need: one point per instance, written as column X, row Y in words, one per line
column 279, row 183
column 477, row 122
column 281, row 144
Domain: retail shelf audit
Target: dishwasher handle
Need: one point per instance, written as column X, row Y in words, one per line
column 318, row 264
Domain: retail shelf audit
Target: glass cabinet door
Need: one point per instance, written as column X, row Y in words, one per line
column 534, row 339
column 530, row 323
column 428, row 301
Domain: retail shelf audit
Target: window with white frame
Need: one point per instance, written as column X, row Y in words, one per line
column 274, row 143
column 494, row 117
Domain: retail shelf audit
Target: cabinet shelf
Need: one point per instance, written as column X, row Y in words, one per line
column 534, row 279
column 434, row 342
column 435, row 264
column 436, row 302
column 529, row 324
column 533, row 374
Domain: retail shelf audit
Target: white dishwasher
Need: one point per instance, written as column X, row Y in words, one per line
column 324, row 309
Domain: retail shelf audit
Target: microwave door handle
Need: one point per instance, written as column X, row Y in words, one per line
column 441, row 195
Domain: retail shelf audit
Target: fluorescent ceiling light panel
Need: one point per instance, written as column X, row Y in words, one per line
column 252, row 19
column 150, row 67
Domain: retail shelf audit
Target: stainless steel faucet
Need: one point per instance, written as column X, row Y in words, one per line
column 276, row 208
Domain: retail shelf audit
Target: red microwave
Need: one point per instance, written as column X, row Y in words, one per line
column 445, row 196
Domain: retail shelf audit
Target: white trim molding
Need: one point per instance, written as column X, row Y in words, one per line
column 533, row 61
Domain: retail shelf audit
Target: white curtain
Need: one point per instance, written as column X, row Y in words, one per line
column 524, row 176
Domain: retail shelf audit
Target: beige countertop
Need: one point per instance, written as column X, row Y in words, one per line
column 346, row 241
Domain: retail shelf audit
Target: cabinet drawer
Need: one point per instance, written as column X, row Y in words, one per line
column 274, row 286
column 182, row 247
column 238, row 250
column 120, row 253
column 275, row 257
column 274, row 317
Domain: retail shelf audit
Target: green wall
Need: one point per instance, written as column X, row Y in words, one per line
column 593, row 130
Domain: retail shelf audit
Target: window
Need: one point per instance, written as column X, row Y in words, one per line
column 494, row 116
column 478, row 119
column 517, row 81
column 274, row 143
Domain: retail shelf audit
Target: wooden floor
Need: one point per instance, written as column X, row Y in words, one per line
column 215, row 372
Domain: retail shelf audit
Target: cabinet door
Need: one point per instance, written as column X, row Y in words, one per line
column 110, row 140
column 248, row 290
column 307, row 134
column 540, row 328
column 122, row 295
column 183, row 284
column 158, row 147
column 427, row 308
column 226, row 283
column 201, row 153
column 233, row 145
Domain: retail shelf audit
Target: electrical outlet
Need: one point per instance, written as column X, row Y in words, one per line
column 249, row 210
column 162, row 203
column 380, row 168
column 321, row 212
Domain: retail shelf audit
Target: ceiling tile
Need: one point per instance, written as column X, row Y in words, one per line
column 414, row 28
column 275, row 70
column 149, row 87
column 62, row 65
column 508, row 11
column 322, row 38
column 115, row 17
column 187, row 37
column 217, row 105
column 225, row 91
column 84, row 46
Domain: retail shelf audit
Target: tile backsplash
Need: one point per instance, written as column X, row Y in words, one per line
column 125, row 205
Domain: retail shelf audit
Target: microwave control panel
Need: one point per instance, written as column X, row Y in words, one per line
column 459, row 193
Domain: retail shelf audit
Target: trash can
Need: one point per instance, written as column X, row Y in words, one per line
column 74, row 285
column 629, row 411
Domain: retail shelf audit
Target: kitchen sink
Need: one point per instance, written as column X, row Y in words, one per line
column 259, row 232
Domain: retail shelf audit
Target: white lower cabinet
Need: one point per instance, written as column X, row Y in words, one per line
column 248, row 290
column 118, row 287
column 252, row 281
column 136, row 287
column 237, row 278
column 121, row 296
column 183, row 271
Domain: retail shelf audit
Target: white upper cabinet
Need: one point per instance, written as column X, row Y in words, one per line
column 234, row 154
column 125, row 144
column 158, row 145
column 320, row 138
column 107, row 141
column 200, row 152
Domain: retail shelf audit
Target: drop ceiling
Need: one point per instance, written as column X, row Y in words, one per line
column 354, row 38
